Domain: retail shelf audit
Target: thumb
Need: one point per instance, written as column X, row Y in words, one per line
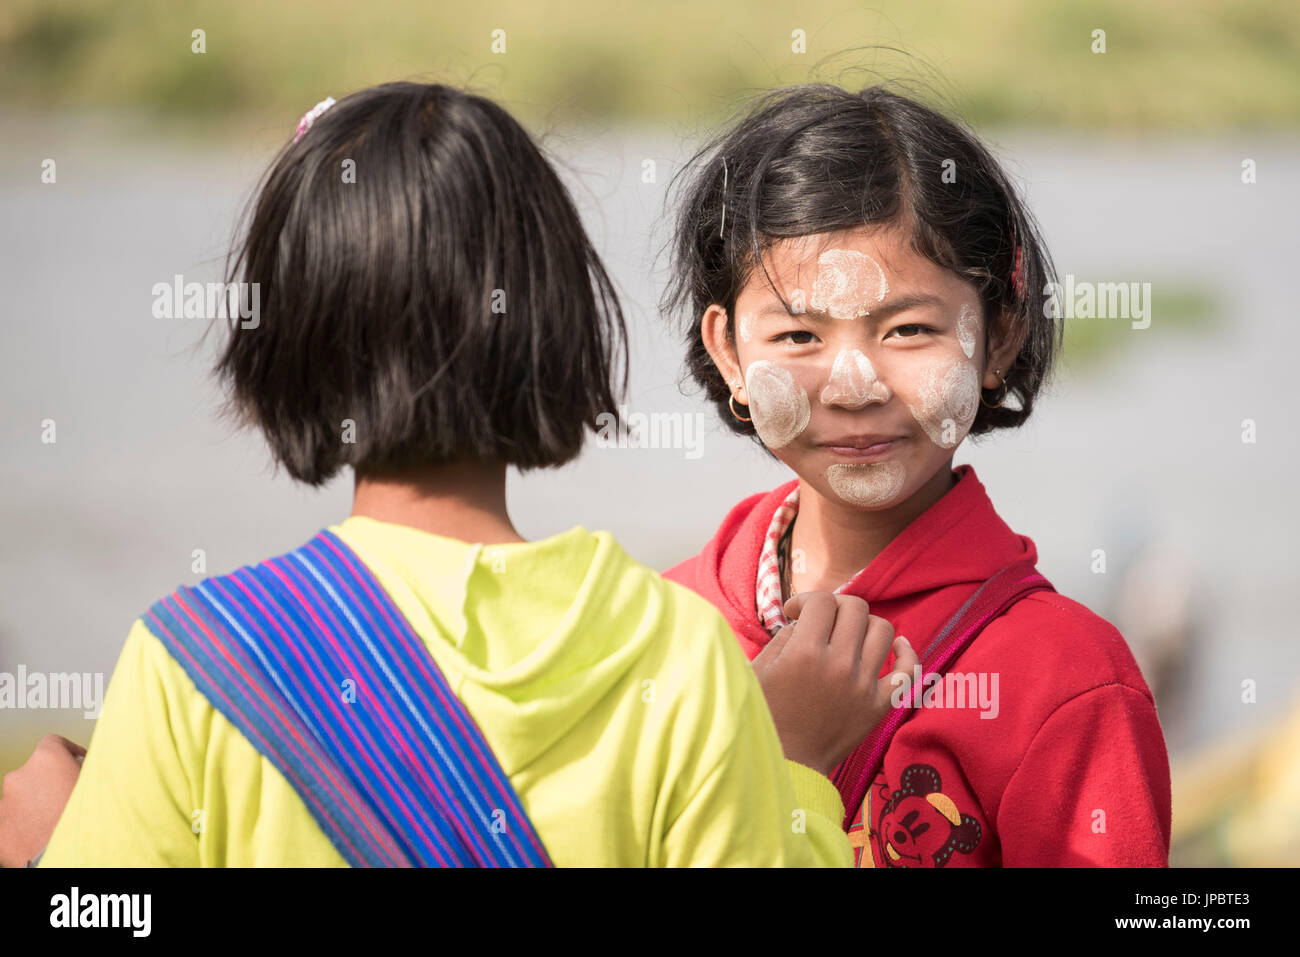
column 905, row 656
column 906, row 662
column 76, row 750
column 793, row 606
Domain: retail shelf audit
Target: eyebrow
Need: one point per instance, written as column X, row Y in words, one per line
column 878, row 313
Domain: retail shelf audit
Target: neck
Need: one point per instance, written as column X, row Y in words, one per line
column 838, row 540
column 464, row 500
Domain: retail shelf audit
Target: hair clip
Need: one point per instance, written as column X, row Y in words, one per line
column 1017, row 280
column 722, row 229
column 310, row 116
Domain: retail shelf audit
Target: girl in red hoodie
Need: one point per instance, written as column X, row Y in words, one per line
column 860, row 278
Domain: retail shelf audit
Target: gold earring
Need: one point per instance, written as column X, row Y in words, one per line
column 731, row 404
column 1002, row 398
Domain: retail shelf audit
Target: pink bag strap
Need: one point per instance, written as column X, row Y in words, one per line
column 1004, row 589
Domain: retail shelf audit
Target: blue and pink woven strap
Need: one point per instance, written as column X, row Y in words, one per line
column 310, row 659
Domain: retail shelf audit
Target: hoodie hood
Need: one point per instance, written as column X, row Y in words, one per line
column 581, row 617
column 937, row 560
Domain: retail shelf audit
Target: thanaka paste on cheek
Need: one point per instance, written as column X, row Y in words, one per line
column 968, row 325
column 867, row 485
column 777, row 405
column 947, row 402
column 848, row 283
column 853, row 382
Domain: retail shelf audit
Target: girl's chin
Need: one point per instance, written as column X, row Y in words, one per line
column 870, row 486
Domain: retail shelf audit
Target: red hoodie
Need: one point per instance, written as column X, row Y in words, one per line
column 1061, row 763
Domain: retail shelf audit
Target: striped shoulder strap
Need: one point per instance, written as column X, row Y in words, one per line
column 310, row 659
column 991, row 599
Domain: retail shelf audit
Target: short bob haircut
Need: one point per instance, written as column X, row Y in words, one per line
column 816, row 158
column 442, row 304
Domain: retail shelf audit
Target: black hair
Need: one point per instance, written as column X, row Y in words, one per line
column 816, row 158
column 447, row 301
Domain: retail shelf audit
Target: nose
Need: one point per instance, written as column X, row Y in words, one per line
column 853, row 383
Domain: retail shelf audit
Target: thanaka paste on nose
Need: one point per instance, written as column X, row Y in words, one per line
column 848, row 283
column 853, row 381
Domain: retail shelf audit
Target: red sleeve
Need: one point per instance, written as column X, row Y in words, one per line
column 1093, row 787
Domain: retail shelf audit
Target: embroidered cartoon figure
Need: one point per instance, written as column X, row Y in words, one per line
column 920, row 826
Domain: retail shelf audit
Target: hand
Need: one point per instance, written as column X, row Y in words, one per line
column 820, row 676
column 34, row 796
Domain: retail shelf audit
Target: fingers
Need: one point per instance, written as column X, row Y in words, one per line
column 793, row 606
column 905, row 656
column 852, row 622
column 837, row 622
column 876, row 644
column 771, row 651
column 894, row 686
column 76, row 750
column 815, row 611
column 57, row 748
column 55, row 754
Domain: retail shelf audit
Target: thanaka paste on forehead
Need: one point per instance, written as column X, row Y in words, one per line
column 868, row 484
column 853, row 381
column 968, row 325
column 847, row 283
column 778, row 406
column 949, row 393
column 798, row 301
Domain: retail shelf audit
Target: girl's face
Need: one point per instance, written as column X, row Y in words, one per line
column 872, row 378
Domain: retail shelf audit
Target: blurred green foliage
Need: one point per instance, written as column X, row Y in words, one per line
column 1195, row 65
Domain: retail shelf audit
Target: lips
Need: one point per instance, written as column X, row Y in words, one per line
column 863, row 448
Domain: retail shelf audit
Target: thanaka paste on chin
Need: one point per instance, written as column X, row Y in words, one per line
column 867, row 484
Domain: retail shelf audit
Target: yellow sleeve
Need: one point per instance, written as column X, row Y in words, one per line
column 756, row 809
column 133, row 802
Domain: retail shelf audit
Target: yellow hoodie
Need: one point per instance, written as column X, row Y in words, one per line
column 619, row 705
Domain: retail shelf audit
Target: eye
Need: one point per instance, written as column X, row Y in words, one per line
column 909, row 331
column 789, row 337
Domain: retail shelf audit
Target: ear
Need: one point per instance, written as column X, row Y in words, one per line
column 715, row 330
column 1002, row 345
